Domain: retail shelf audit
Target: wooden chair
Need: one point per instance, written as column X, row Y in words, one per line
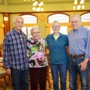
column 2, row 75
column 4, row 78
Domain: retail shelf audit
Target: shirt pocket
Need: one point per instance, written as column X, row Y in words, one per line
column 81, row 42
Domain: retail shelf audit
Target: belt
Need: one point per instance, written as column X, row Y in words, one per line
column 76, row 56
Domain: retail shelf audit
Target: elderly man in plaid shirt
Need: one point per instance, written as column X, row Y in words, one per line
column 15, row 57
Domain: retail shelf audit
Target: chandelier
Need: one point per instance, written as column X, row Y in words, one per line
column 38, row 5
column 78, row 4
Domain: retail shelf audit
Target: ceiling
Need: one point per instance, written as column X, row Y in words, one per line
column 45, row 1
column 49, row 5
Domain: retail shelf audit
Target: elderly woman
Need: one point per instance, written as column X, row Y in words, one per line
column 37, row 60
column 57, row 43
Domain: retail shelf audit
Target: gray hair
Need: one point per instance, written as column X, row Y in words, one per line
column 78, row 16
column 34, row 27
column 15, row 18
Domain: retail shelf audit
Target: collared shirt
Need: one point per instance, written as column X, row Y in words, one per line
column 79, row 42
column 36, row 53
column 15, row 55
column 56, row 37
column 57, row 49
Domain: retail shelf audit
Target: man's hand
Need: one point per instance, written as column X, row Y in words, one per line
column 8, row 71
column 83, row 65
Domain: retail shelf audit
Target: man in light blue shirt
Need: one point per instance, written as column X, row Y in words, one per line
column 79, row 48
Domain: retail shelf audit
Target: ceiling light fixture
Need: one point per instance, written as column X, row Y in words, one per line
column 38, row 5
column 79, row 4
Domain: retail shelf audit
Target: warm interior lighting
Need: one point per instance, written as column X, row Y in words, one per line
column 38, row 5
column 74, row 7
column 34, row 8
column 78, row 4
column 78, row 7
column 82, row 2
column 5, row 18
column 26, row 0
column 75, row 2
column 35, row 3
column 83, row 6
column 42, row 9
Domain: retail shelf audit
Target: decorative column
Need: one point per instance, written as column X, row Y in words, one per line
column 6, row 19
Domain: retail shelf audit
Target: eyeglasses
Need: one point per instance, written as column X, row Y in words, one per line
column 35, row 32
column 55, row 26
column 74, row 21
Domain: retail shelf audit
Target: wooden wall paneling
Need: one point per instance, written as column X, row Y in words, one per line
column 6, row 22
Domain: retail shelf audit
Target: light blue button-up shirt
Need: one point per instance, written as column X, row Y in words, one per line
column 79, row 42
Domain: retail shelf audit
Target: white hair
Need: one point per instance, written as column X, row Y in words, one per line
column 78, row 16
column 15, row 18
column 34, row 27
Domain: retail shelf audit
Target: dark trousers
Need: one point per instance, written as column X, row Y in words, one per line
column 19, row 79
column 38, row 76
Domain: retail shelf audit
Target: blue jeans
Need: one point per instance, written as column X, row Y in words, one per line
column 19, row 79
column 74, row 70
column 62, row 69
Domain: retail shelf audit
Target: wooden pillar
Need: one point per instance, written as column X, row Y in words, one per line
column 6, row 19
column 1, row 33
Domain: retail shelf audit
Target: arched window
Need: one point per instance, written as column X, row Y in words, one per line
column 62, row 18
column 58, row 17
column 86, row 18
column 30, row 20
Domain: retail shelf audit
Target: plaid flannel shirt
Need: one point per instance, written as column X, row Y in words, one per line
column 15, row 48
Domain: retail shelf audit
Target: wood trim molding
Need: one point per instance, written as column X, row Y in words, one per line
column 6, row 23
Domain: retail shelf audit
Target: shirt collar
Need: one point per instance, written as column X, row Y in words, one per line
column 17, row 32
column 78, row 30
column 52, row 35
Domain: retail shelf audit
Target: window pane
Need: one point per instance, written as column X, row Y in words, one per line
column 63, row 30
column 58, row 17
column 29, row 33
column 62, row 18
column 85, row 17
column 29, row 19
column 26, row 30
